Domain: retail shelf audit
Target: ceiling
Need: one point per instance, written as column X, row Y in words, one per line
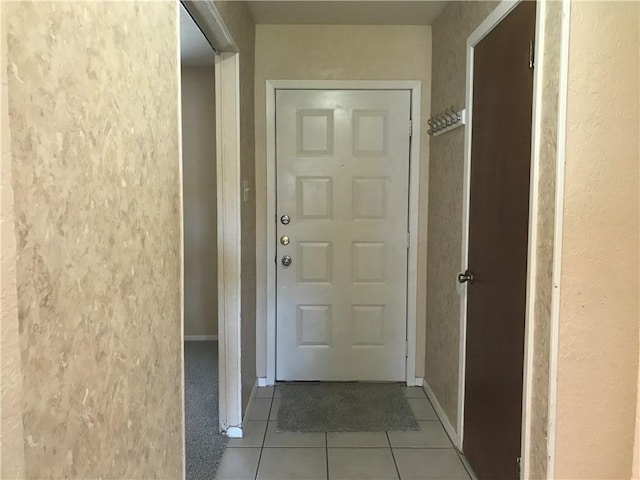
column 346, row 12
column 194, row 48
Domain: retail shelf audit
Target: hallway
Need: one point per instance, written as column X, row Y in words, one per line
column 265, row 453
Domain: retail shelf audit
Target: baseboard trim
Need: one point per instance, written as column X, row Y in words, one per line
column 262, row 381
column 200, row 338
column 466, row 464
column 419, row 382
column 245, row 417
column 446, row 423
column 234, row 432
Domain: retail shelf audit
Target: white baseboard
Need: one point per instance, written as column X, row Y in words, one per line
column 446, row 423
column 199, row 338
column 262, row 381
column 245, row 418
column 234, row 432
column 419, row 382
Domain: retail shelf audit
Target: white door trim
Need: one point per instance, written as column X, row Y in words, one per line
column 206, row 16
column 227, row 134
column 494, row 18
column 414, row 185
column 557, row 242
column 227, row 77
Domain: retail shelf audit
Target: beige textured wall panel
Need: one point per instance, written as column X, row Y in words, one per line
column 598, row 330
column 199, row 191
column 450, row 32
column 329, row 52
column 11, row 428
column 93, row 98
column 238, row 20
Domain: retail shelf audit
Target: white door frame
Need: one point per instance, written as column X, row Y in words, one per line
column 227, row 134
column 414, row 184
column 494, row 18
column 227, row 77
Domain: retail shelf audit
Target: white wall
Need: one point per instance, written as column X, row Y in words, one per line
column 199, row 172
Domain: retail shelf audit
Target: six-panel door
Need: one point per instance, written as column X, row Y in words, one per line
column 343, row 180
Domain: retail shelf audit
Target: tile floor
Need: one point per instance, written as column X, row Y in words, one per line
column 266, row 454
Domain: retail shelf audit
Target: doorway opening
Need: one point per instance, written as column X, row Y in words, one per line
column 204, row 443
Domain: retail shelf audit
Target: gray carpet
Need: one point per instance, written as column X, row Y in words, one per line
column 204, row 445
column 344, row 407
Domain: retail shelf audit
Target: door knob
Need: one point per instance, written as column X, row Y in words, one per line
column 285, row 219
column 284, row 240
column 286, row 260
column 467, row 276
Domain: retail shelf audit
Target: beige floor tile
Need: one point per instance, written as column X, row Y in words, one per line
column 274, row 409
column 264, row 392
column 238, row 464
column 293, row 463
column 422, row 409
column 414, row 392
column 357, row 439
column 431, row 435
column 292, row 439
column 427, row 464
column 260, row 409
column 361, row 463
column 253, row 435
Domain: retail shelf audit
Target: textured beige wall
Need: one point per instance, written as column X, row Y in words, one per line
column 11, row 427
column 238, row 20
column 450, row 32
column 199, row 192
column 329, row 52
column 598, row 328
column 93, row 98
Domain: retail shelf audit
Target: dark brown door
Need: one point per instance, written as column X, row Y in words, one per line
column 498, row 233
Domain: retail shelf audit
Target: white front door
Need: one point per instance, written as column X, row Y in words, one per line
column 342, row 161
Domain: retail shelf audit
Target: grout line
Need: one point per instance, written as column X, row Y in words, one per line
column 326, row 451
column 421, row 448
column 393, row 455
column 264, row 436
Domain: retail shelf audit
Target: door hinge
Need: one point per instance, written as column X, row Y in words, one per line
column 532, row 50
column 406, row 349
column 410, row 128
column 519, row 467
column 408, row 240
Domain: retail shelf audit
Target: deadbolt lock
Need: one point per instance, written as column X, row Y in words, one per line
column 285, row 219
column 286, row 260
column 284, row 240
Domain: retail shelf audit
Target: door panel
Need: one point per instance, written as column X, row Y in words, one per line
column 498, row 242
column 342, row 159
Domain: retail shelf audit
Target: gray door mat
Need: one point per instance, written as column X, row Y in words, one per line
column 344, row 407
